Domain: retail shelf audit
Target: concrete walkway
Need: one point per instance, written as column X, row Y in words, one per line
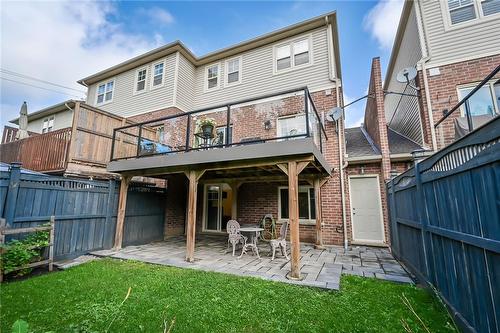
column 320, row 268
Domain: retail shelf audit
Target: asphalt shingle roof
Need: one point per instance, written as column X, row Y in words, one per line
column 399, row 144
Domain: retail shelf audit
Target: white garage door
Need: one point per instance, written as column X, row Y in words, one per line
column 366, row 210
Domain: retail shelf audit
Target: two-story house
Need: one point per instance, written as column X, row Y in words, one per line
column 453, row 45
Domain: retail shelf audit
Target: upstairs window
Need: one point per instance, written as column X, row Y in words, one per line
column 461, row 10
column 158, row 70
column 490, row 7
column 212, row 73
column 293, row 54
column 140, row 84
column 105, row 92
column 486, row 101
column 233, row 72
column 48, row 124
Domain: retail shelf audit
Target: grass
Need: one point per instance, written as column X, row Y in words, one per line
column 87, row 298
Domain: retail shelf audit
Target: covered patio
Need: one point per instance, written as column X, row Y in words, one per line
column 319, row 267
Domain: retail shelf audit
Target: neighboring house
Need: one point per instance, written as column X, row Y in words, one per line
column 453, row 45
column 70, row 138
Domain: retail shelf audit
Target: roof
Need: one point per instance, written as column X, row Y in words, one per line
column 47, row 111
column 400, row 144
column 359, row 143
column 178, row 46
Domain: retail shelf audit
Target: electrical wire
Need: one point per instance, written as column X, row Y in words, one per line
column 35, row 86
column 9, row 72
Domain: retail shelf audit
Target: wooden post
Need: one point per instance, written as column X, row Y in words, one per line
column 293, row 214
column 13, row 189
column 317, row 201
column 51, row 242
column 193, row 177
column 120, row 218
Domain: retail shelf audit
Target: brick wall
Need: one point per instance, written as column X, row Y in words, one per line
column 444, row 95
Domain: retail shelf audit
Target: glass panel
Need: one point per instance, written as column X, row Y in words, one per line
column 497, row 95
column 462, row 14
column 141, row 85
column 233, row 77
column 212, row 209
column 109, row 86
column 490, row 7
column 303, row 205
column 283, row 52
column 100, row 98
column 301, row 58
column 292, row 125
column 158, row 69
column 284, row 203
column 283, row 63
column 101, row 88
column 213, row 71
column 157, row 80
column 480, row 103
column 109, row 95
column 227, row 199
column 212, row 83
column 233, row 65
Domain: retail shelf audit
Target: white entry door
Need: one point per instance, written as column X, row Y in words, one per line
column 366, row 210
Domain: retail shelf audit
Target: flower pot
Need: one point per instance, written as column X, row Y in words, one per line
column 207, row 130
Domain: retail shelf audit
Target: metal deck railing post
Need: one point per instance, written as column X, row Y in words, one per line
column 306, row 108
column 468, row 115
column 188, row 131
column 228, row 121
column 139, row 141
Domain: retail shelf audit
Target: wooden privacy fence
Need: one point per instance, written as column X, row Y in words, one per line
column 85, row 210
column 445, row 225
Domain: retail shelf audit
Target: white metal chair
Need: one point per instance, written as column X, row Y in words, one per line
column 234, row 235
column 280, row 242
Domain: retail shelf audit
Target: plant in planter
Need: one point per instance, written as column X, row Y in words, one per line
column 207, row 126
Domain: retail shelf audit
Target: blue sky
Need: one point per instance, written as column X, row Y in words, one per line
column 62, row 42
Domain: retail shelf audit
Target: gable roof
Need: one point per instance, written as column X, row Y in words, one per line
column 47, row 111
column 400, row 144
column 178, row 46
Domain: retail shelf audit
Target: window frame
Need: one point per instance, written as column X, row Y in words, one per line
column 490, row 84
column 136, row 81
column 290, row 44
column 278, row 126
column 302, row 188
column 105, row 83
column 51, row 128
column 152, row 75
column 478, row 9
column 217, row 87
column 226, row 72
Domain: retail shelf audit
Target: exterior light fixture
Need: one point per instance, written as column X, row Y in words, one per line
column 267, row 125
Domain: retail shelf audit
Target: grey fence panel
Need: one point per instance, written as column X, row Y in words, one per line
column 445, row 226
column 85, row 211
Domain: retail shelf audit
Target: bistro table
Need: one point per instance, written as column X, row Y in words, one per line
column 254, row 235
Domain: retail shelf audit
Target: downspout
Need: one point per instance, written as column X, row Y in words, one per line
column 333, row 77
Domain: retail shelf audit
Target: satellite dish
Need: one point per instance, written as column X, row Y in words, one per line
column 334, row 114
column 406, row 75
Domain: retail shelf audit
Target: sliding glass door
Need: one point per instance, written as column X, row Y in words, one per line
column 217, row 207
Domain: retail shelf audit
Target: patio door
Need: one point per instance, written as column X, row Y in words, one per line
column 217, row 207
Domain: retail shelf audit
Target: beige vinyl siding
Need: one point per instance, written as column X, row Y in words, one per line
column 402, row 112
column 258, row 77
column 62, row 119
column 467, row 41
column 125, row 103
column 185, row 84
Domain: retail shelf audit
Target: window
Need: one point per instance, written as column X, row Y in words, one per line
column 48, row 124
column 307, row 206
column 486, row 101
column 293, row 54
column 158, row 70
column 140, row 84
column 220, row 136
column 461, row 11
column 105, row 92
column 212, row 73
column 289, row 126
column 233, row 71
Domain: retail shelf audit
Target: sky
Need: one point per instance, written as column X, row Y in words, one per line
column 61, row 41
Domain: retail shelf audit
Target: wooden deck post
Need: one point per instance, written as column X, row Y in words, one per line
column 317, row 200
column 120, row 218
column 193, row 177
column 293, row 215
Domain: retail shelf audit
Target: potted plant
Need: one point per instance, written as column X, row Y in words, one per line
column 207, row 126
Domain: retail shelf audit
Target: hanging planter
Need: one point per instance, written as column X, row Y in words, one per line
column 207, row 126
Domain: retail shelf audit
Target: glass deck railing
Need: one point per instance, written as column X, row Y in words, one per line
column 278, row 117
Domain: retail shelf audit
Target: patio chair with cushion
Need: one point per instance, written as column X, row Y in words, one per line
column 280, row 242
column 234, row 235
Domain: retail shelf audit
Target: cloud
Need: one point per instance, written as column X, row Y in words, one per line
column 159, row 15
column 60, row 42
column 382, row 21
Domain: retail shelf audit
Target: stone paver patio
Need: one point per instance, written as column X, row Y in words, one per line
column 319, row 268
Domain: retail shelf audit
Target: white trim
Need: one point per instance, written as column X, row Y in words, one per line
column 480, row 17
column 431, row 64
column 290, row 42
column 137, row 92
column 105, row 82
column 205, row 77
column 367, row 241
column 176, row 73
column 151, row 86
column 301, row 221
column 226, row 71
column 48, row 121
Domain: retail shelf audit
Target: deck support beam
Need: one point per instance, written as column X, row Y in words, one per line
column 193, row 177
column 122, row 205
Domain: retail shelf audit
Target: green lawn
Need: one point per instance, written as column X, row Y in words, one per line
column 87, row 298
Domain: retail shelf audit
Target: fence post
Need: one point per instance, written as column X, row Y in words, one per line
column 393, row 217
column 421, row 211
column 109, row 211
column 11, row 201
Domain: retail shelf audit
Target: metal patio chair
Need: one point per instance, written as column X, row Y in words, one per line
column 280, row 242
column 234, row 235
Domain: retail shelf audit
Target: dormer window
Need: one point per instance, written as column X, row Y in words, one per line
column 212, row 74
column 294, row 54
column 158, row 71
column 105, row 92
column 140, row 76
